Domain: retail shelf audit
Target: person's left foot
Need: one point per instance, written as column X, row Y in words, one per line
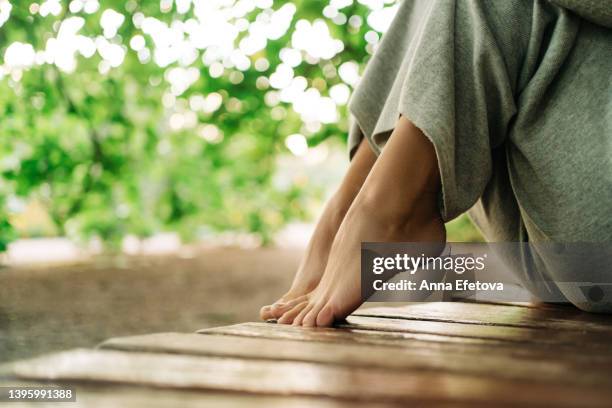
column 312, row 266
column 339, row 292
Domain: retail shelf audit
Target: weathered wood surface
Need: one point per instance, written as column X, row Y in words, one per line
column 559, row 318
column 458, row 345
column 102, row 395
column 436, row 331
column 462, row 354
column 545, row 366
column 521, row 335
column 96, row 395
column 295, row 378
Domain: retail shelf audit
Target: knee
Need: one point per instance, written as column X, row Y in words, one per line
column 591, row 298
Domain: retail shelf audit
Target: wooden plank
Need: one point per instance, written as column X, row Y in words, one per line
column 300, row 379
column 596, row 341
column 349, row 334
column 565, row 318
column 109, row 395
column 448, row 332
column 481, row 361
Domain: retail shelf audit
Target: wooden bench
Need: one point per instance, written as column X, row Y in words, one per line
column 429, row 354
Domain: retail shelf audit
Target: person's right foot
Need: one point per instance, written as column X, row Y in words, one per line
column 339, row 292
column 397, row 202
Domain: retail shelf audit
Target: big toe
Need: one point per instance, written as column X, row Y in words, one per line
column 325, row 317
column 310, row 319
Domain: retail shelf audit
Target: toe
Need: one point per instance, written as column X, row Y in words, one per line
column 325, row 317
column 289, row 316
column 298, row 320
column 310, row 319
column 278, row 309
column 266, row 313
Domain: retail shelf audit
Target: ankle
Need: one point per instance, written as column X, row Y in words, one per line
column 384, row 226
column 401, row 212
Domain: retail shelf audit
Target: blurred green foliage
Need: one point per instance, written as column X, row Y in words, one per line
column 461, row 229
column 96, row 148
column 94, row 141
column 7, row 233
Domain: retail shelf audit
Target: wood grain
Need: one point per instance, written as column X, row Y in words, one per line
column 559, row 318
column 595, row 341
column 298, row 379
column 99, row 395
column 428, row 354
column 411, row 357
column 391, row 331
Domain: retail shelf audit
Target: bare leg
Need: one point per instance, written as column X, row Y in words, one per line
column 313, row 264
column 397, row 203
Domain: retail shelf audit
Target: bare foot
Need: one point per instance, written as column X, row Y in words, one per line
column 313, row 265
column 339, row 292
column 397, row 203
